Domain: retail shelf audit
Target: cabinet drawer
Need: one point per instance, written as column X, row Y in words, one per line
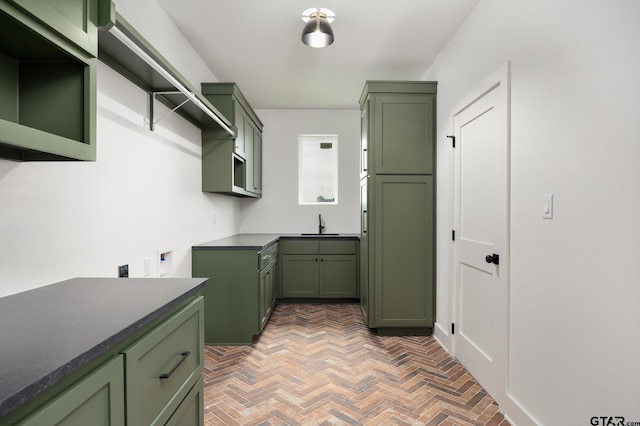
column 267, row 255
column 191, row 411
column 164, row 365
column 304, row 246
column 337, row 247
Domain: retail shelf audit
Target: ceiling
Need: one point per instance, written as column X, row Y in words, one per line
column 256, row 43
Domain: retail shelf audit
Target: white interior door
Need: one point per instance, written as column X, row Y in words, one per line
column 480, row 216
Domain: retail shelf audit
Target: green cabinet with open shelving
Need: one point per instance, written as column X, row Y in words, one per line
column 232, row 165
column 48, row 79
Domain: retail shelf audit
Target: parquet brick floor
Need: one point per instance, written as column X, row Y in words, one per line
column 318, row 364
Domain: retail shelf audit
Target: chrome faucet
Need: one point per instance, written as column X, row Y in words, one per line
column 320, row 224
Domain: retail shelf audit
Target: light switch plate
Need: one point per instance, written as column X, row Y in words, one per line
column 547, row 206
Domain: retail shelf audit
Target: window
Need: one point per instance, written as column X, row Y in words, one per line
column 318, row 169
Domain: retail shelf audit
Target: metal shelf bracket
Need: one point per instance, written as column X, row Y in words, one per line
column 152, row 99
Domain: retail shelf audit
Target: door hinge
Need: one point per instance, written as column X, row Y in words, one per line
column 453, row 140
column 453, row 235
column 453, row 328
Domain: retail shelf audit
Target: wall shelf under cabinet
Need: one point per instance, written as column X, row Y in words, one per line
column 128, row 53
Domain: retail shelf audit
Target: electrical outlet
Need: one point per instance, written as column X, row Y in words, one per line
column 123, row 271
column 547, row 206
column 147, row 266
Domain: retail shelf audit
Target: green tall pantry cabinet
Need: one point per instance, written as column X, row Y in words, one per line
column 397, row 243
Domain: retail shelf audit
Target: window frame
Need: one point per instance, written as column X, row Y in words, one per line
column 319, row 138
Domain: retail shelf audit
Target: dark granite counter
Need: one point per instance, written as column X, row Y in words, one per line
column 240, row 242
column 49, row 332
column 260, row 241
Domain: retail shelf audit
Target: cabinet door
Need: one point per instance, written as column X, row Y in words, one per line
column 300, row 276
column 267, row 284
column 364, row 140
column 76, row 20
column 97, row 399
column 257, row 162
column 240, row 118
column 364, row 250
column 403, row 133
column 338, row 275
column 275, row 288
column 262, row 298
column 404, row 251
column 249, row 131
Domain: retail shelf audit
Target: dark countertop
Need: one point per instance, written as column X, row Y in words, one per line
column 49, row 332
column 260, row 241
column 240, row 241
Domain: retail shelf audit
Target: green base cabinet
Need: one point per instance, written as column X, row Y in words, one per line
column 162, row 367
column 240, row 294
column 397, row 243
column 319, row 268
column 128, row 386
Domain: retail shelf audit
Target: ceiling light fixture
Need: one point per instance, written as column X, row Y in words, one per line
column 317, row 32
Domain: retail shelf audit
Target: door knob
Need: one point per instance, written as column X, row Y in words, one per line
column 493, row 258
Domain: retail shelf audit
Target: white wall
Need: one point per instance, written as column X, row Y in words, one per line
column 278, row 210
column 66, row 219
column 575, row 280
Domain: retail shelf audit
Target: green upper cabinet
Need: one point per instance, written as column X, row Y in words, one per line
column 232, row 165
column 398, row 127
column 47, row 82
column 76, row 20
